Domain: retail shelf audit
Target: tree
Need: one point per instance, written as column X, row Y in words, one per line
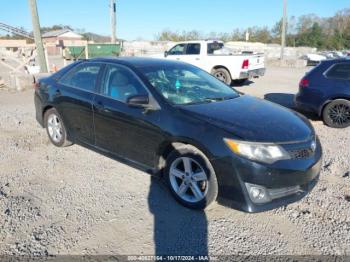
column 260, row 34
column 54, row 28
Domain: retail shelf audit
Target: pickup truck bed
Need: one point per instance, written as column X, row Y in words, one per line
column 214, row 58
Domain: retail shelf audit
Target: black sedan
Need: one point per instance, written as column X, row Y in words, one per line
column 174, row 120
column 325, row 90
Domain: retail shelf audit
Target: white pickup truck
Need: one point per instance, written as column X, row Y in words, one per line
column 214, row 58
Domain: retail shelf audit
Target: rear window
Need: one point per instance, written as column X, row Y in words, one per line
column 212, row 47
column 339, row 71
column 83, row 76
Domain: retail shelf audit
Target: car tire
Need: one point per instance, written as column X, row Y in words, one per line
column 223, row 75
column 195, row 187
column 56, row 129
column 336, row 114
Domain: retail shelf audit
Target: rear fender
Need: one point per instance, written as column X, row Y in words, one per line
column 320, row 110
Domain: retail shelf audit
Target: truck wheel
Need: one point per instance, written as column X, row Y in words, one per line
column 223, row 75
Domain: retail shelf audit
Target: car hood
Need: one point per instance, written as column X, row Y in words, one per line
column 253, row 119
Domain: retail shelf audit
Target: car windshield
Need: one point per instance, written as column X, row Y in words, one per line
column 184, row 84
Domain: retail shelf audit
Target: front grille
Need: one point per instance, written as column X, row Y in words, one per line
column 303, row 153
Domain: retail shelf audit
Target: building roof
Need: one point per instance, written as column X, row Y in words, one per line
column 12, row 43
column 57, row 33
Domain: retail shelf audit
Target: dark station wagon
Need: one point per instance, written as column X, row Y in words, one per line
column 325, row 90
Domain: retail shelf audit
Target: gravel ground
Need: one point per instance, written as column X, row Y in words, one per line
column 74, row 201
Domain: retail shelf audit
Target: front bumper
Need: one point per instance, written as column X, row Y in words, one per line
column 252, row 73
column 290, row 173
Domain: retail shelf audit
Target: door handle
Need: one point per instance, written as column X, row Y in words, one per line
column 57, row 92
column 198, row 59
column 177, row 58
column 99, row 106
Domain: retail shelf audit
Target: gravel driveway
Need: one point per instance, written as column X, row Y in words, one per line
column 74, row 201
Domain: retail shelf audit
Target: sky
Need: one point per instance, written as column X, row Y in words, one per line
column 143, row 19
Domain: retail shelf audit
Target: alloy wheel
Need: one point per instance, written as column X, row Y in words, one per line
column 54, row 127
column 340, row 114
column 188, row 179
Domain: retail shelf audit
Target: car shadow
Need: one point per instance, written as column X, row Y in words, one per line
column 177, row 230
column 287, row 100
column 245, row 83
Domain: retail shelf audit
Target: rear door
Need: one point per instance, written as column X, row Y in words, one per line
column 339, row 74
column 125, row 131
column 73, row 99
column 192, row 54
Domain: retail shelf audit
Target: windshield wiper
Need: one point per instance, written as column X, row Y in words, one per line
column 208, row 100
column 197, row 102
column 216, row 99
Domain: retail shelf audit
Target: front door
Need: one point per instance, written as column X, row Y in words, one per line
column 177, row 52
column 125, row 131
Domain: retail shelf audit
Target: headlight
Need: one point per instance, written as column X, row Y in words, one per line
column 264, row 152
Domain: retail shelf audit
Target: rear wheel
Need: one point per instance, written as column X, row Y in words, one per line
column 223, row 75
column 55, row 128
column 191, row 177
column 337, row 114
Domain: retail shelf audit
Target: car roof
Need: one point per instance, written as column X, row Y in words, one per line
column 136, row 61
column 200, row 41
column 337, row 60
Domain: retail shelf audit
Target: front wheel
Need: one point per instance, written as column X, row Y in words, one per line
column 223, row 75
column 337, row 114
column 191, row 177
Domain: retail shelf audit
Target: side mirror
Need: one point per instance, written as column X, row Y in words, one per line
column 166, row 53
column 140, row 101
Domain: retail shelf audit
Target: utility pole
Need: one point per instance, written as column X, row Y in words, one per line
column 113, row 12
column 37, row 36
column 284, row 28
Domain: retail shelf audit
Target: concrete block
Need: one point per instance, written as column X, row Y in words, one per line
column 20, row 82
column 2, row 82
column 292, row 63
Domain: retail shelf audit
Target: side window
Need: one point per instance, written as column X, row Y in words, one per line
column 339, row 71
column 82, row 76
column 193, row 49
column 212, row 47
column 120, row 83
column 177, row 50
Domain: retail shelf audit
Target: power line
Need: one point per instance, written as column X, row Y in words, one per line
column 15, row 31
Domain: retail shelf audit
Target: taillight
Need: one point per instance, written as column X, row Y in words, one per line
column 245, row 64
column 304, row 82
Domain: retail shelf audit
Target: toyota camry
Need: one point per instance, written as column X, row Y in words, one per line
column 173, row 120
